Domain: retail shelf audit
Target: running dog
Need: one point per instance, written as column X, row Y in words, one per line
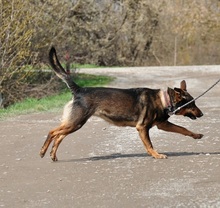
column 141, row 108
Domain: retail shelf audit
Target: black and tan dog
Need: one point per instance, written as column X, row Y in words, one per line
column 142, row 108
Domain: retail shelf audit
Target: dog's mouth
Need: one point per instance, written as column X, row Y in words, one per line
column 191, row 116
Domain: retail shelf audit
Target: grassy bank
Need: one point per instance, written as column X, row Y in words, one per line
column 53, row 102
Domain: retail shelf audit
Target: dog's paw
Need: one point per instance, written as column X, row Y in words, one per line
column 160, row 156
column 155, row 154
column 198, row 136
column 53, row 157
column 42, row 153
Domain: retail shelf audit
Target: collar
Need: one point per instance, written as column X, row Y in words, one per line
column 167, row 101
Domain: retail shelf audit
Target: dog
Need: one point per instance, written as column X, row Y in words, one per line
column 141, row 108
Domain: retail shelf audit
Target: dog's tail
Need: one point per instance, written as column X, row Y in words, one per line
column 61, row 72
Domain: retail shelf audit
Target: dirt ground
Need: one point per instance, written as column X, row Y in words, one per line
column 107, row 166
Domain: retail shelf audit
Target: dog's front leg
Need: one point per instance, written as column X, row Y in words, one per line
column 168, row 126
column 144, row 135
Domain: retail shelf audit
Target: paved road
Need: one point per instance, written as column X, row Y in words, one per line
column 106, row 166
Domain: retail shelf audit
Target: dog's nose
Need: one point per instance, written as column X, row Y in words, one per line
column 201, row 114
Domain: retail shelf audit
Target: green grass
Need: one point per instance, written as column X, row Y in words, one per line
column 50, row 103
column 89, row 80
column 79, row 66
column 31, row 105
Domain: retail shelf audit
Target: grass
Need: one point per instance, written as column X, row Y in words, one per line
column 53, row 102
column 79, row 66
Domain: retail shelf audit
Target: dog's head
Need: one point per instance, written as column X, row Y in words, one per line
column 179, row 97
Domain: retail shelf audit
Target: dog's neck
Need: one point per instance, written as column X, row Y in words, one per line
column 165, row 99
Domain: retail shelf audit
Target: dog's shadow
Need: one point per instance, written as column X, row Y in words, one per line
column 140, row 155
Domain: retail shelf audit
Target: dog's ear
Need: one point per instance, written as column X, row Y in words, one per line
column 175, row 94
column 183, row 85
column 180, row 94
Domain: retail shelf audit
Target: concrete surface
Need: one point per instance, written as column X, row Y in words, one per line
column 104, row 166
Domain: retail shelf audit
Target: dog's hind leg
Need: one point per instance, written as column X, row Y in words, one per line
column 73, row 119
column 54, row 135
column 50, row 137
column 61, row 134
column 57, row 135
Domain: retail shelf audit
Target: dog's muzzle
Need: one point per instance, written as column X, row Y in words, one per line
column 192, row 116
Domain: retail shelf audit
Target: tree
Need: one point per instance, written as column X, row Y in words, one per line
column 24, row 32
column 15, row 46
column 111, row 32
column 187, row 32
column 197, row 27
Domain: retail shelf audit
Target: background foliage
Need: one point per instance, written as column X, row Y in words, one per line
column 101, row 32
